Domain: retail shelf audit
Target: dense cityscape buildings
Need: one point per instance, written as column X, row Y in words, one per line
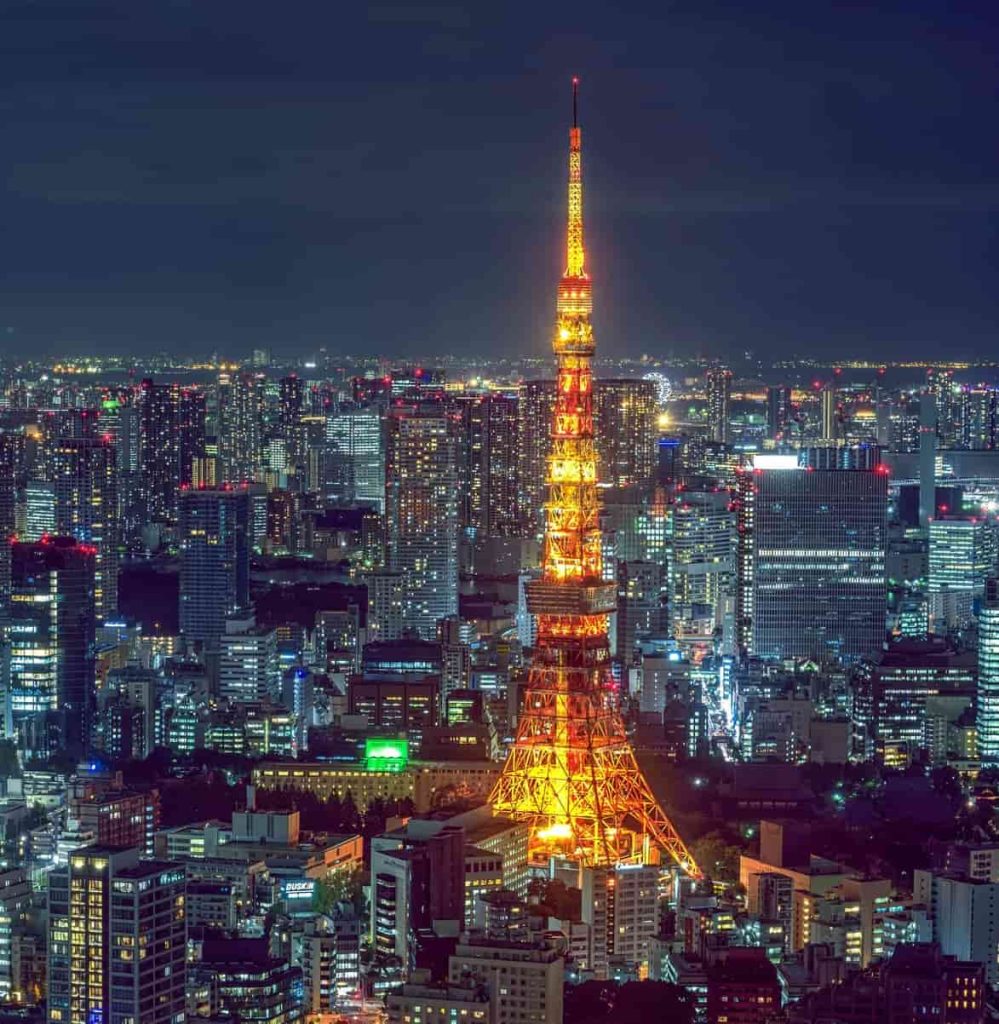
column 348, row 689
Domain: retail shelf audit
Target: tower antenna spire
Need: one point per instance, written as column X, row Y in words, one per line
column 575, row 101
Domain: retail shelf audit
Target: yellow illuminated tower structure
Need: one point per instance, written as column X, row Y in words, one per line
column 571, row 772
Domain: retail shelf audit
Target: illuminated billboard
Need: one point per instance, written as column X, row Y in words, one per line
column 386, row 755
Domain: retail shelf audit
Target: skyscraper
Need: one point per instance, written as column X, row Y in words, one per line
column 488, row 464
column 191, row 408
column 159, row 450
column 52, row 634
column 240, row 425
column 703, row 561
column 355, row 457
column 642, row 610
column 292, row 408
column 421, row 512
column 719, row 393
column 988, row 673
column 537, row 404
column 84, row 478
column 829, row 414
column 571, row 773
column 214, row 560
column 626, row 420
column 779, row 411
column 811, row 560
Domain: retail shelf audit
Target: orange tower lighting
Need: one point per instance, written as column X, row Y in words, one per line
column 571, row 772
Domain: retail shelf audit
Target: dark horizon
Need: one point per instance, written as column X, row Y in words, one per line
column 791, row 181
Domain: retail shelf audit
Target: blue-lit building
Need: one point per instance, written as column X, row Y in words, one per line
column 988, row 674
column 214, row 561
column 51, row 630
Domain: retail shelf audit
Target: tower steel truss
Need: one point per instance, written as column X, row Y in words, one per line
column 571, row 772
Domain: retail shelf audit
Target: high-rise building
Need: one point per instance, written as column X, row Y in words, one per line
column 621, row 906
column 571, row 774
column 159, row 450
column 703, row 564
column 811, row 560
column 829, row 414
column 422, row 514
column 417, row 879
column 537, row 404
column 779, row 411
column 292, row 407
column 191, row 440
column 249, row 669
column 962, row 556
column 84, row 479
column 893, row 695
column 39, row 509
column 52, row 633
column 719, row 394
column 642, row 609
column 386, row 593
column 15, row 898
column 488, row 462
column 524, row 981
column 355, row 457
column 214, row 560
column 625, row 413
column 240, row 425
column 331, row 959
column 965, row 915
column 117, row 939
column 988, row 673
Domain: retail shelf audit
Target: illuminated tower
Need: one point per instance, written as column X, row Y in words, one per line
column 572, row 773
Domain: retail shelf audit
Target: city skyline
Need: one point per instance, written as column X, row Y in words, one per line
column 352, row 689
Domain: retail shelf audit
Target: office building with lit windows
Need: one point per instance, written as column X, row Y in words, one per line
column 214, row 560
column 811, row 560
column 159, row 450
column 488, row 462
column 626, row 416
column 355, row 457
column 84, row 477
column 536, row 407
column 703, row 564
column 51, row 630
column 117, row 939
column 988, row 673
column 240, row 425
column 962, row 556
column 719, row 396
column 422, row 513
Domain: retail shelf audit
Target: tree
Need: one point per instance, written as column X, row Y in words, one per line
column 10, row 767
column 635, row 1002
column 716, row 857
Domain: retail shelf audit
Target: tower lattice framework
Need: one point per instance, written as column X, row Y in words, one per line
column 572, row 773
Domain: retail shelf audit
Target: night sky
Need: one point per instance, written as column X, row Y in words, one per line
column 793, row 178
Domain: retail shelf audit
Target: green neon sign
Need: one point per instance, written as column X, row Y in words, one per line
column 386, row 755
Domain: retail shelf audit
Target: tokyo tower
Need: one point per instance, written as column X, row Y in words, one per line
column 572, row 773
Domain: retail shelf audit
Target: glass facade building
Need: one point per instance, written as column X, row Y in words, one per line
column 988, row 674
column 811, row 560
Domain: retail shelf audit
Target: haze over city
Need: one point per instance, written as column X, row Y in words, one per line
column 782, row 178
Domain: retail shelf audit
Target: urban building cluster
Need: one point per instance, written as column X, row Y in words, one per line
column 337, row 689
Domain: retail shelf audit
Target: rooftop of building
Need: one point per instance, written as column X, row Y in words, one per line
column 145, row 868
